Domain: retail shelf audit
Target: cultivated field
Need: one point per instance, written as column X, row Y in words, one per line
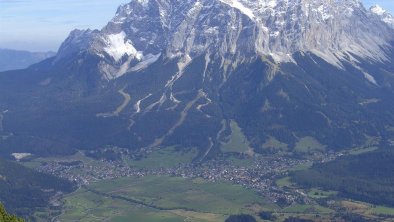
column 160, row 198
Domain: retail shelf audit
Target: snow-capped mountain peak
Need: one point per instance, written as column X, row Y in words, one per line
column 240, row 30
column 378, row 10
column 385, row 16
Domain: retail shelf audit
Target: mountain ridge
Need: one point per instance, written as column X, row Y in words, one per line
column 18, row 59
column 384, row 15
column 333, row 30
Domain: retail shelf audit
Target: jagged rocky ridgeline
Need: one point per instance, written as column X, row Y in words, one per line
column 384, row 16
column 171, row 72
column 234, row 30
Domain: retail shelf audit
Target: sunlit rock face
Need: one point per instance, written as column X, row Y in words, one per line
column 235, row 30
column 385, row 16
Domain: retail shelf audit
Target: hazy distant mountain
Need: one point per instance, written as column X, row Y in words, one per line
column 15, row 59
column 177, row 72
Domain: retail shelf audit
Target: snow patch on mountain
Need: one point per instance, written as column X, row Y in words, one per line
column 118, row 46
column 370, row 78
column 377, row 10
column 385, row 16
column 238, row 5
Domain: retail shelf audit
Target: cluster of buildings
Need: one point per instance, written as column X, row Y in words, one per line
column 258, row 173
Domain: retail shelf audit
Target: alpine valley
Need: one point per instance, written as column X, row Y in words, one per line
column 309, row 81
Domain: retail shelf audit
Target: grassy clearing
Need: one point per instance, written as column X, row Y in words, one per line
column 183, row 200
column 171, row 192
column 275, row 145
column 297, row 209
column 309, row 145
column 166, row 157
column 284, row 182
column 31, row 164
column 241, row 162
column 359, row 151
column 78, row 156
column 238, row 143
column 307, row 209
column 300, row 167
column 319, row 194
column 372, row 141
column 87, row 206
column 380, row 210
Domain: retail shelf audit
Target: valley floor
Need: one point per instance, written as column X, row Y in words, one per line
column 142, row 187
column 163, row 185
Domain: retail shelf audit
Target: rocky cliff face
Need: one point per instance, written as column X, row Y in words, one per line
column 235, row 31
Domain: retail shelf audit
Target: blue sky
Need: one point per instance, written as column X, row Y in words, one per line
column 39, row 25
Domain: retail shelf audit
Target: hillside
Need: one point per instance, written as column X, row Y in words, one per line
column 6, row 217
column 367, row 177
column 23, row 190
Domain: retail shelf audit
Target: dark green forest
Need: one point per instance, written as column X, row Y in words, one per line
column 368, row 177
column 24, row 190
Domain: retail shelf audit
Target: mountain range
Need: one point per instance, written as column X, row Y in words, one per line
column 16, row 59
column 177, row 73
